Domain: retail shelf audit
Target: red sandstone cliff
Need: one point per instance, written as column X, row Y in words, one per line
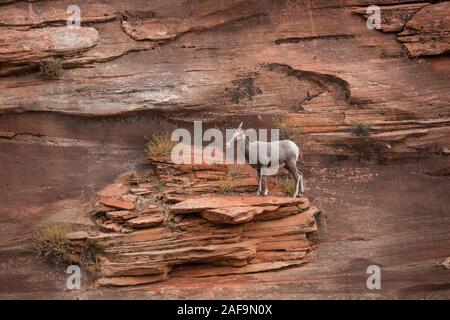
column 138, row 68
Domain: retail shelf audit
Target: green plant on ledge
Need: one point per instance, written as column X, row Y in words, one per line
column 51, row 69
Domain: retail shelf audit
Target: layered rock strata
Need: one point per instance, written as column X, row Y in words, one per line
column 145, row 239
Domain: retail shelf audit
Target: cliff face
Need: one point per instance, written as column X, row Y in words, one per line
column 219, row 61
column 422, row 28
column 137, row 68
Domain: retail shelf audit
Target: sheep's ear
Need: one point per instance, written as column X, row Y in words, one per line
column 240, row 126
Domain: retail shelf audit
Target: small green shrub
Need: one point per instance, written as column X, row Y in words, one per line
column 51, row 69
column 360, row 129
column 279, row 122
column 50, row 240
column 160, row 145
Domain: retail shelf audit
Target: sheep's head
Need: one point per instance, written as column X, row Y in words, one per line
column 238, row 135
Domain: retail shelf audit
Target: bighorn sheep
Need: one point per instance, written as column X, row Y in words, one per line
column 288, row 153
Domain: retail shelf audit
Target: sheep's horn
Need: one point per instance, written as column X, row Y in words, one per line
column 240, row 126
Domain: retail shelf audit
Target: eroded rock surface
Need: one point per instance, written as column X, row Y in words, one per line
column 428, row 31
column 32, row 46
column 422, row 28
column 148, row 26
column 222, row 62
column 45, row 13
column 315, row 61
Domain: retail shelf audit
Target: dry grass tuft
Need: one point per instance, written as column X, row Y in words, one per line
column 360, row 129
column 288, row 187
column 322, row 217
column 50, row 240
column 286, row 133
column 51, row 69
column 89, row 260
column 226, row 185
column 160, row 145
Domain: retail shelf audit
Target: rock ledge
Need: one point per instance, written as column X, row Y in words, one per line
column 144, row 239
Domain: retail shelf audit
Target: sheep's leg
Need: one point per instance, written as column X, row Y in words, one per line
column 258, row 193
column 266, row 189
column 302, row 185
column 291, row 166
column 297, row 182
